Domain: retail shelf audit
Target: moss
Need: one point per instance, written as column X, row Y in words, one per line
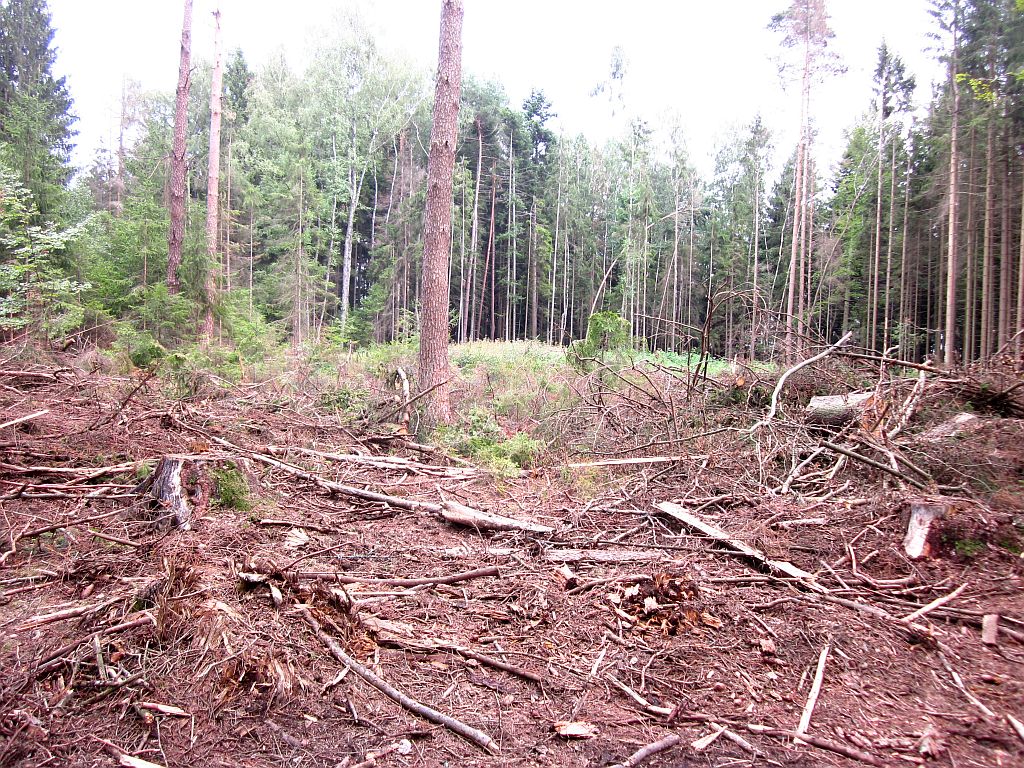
column 232, row 489
column 968, row 548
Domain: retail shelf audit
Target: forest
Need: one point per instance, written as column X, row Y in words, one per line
column 915, row 241
column 355, row 415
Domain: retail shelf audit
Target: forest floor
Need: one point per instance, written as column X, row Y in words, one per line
column 125, row 640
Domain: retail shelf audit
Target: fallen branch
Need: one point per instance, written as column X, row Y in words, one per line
column 936, row 603
column 627, row 462
column 645, row 754
column 467, row 732
column 383, row 462
column 338, row 578
column 23, row 419
column 450, row 510
column 812, row 698
column 872, row 463
column 53, row 660
column 680, row 513
column 816, row 741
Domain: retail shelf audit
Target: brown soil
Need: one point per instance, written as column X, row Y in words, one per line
column 633, row 650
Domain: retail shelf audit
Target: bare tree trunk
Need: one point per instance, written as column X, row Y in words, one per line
column 213, row 185
column 988, row 261
column 176, row 236
column 875, row 268
column 1019, row 344
column 437, row 221
column 971, row 278
column 534, row 272
column 887, row 308
column 1005, row 260
column 952, row 265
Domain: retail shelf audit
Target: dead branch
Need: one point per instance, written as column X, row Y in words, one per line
column 645, row 754
column 55, row 659
column 816, row 741
column 812, row 698
column 23, row 419
column 455, row 578
column 467, row 732
column 876, row 464
column 782, row 381
column 450, row 510
column 680, row 513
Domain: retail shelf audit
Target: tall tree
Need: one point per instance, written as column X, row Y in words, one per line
column 176, row 234
column 35, row 107
column 437, row 220
column 804, row 27
column 213, row 182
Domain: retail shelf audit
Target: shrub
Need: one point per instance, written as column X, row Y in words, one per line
column 608, row 340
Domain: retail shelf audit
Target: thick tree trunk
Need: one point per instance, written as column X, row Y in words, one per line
column 213, row 185
column 176, row 236
column 437, row 221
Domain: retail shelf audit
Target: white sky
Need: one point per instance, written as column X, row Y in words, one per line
column 711, row 62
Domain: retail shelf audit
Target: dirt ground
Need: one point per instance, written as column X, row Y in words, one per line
column 124, row 638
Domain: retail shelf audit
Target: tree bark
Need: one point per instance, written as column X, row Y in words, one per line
column 213, row 184
column 176, row 236
column 437, row 223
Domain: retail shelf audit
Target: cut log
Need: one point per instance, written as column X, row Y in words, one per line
column 922, row 532
column 838, row 410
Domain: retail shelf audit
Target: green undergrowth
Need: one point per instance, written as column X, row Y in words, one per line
column 478, row 436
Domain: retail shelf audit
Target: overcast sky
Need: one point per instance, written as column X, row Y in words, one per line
column 713, row 64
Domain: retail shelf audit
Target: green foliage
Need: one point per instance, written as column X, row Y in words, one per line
column 33, row 286
column 347, row 403
column 478, row 436
column 608, row 339
column 139, row 346
column 232, row 489
column 968, row 548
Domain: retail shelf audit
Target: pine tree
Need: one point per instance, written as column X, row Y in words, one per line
column 35, row 107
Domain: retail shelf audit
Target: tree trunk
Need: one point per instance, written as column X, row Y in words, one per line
column 176, row 236
column 437, row 221
column 213, row 185
column 952, row 265
column 1005, row 260
column 988, row 262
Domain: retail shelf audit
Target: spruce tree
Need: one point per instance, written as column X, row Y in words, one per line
column 35, row 106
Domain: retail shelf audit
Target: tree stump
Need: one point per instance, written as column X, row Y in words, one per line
column 923, row 534
column 181, row 489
